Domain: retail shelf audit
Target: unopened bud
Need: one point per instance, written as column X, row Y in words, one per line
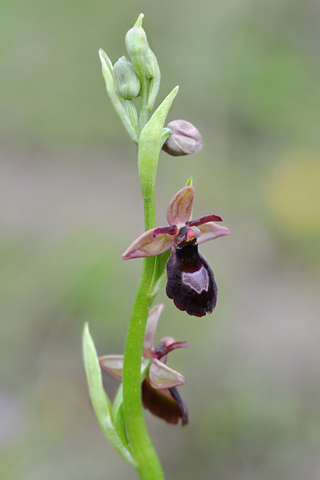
column 151, row 64
column 137, row 46
column 153, row 75
column 126, row 80
column 184, row 140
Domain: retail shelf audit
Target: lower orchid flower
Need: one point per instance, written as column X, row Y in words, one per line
column 159, row 393
column 190, row 279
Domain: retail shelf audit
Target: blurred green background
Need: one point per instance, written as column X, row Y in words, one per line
column 249, row 75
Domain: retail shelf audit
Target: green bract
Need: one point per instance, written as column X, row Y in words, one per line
column 100, row 401
column 117, row 101
column 150, row 144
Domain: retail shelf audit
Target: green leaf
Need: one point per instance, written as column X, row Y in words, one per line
column 118, row 418
column 100, row 401
column 114, row 97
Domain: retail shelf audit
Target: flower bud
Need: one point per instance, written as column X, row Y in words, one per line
column 185, row 139
column 137, row 46
column 151, row 64
column 126, row 80
column 153, row 75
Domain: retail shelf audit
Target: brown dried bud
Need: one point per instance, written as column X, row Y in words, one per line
column 184, row 140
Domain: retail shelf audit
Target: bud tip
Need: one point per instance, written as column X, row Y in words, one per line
column 139, row 21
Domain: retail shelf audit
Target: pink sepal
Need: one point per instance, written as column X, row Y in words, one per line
column 161, row 376
column 147, row 246
column 113, row 364
column 180, row 206
column 210, row 231
column 151, row 328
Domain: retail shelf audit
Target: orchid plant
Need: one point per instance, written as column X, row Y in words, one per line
column 169, row 252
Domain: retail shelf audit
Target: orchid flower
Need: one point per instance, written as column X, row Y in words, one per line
column 159, row 393
column 190, row 279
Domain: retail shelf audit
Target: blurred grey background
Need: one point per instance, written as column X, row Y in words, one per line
column 70, row 204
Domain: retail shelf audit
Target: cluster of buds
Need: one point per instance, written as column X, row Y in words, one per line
column 127, row 79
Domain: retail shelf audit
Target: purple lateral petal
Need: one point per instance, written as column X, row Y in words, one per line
column 202, row 220
column 180, row 206
column 161, row 376
column 147, row 246
column 113, row 364
column 172, row 230
column 211, row 230
column 151, row 328
column 167, row 345
column 173, row 346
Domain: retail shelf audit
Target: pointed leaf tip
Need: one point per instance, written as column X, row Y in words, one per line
column 105, row 60
column 175, row 91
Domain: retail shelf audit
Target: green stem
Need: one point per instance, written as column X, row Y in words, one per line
column 144, row 110
column 149, row 466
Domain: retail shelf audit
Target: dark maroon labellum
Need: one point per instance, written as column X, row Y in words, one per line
column 190, row 280
column 165, row 403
